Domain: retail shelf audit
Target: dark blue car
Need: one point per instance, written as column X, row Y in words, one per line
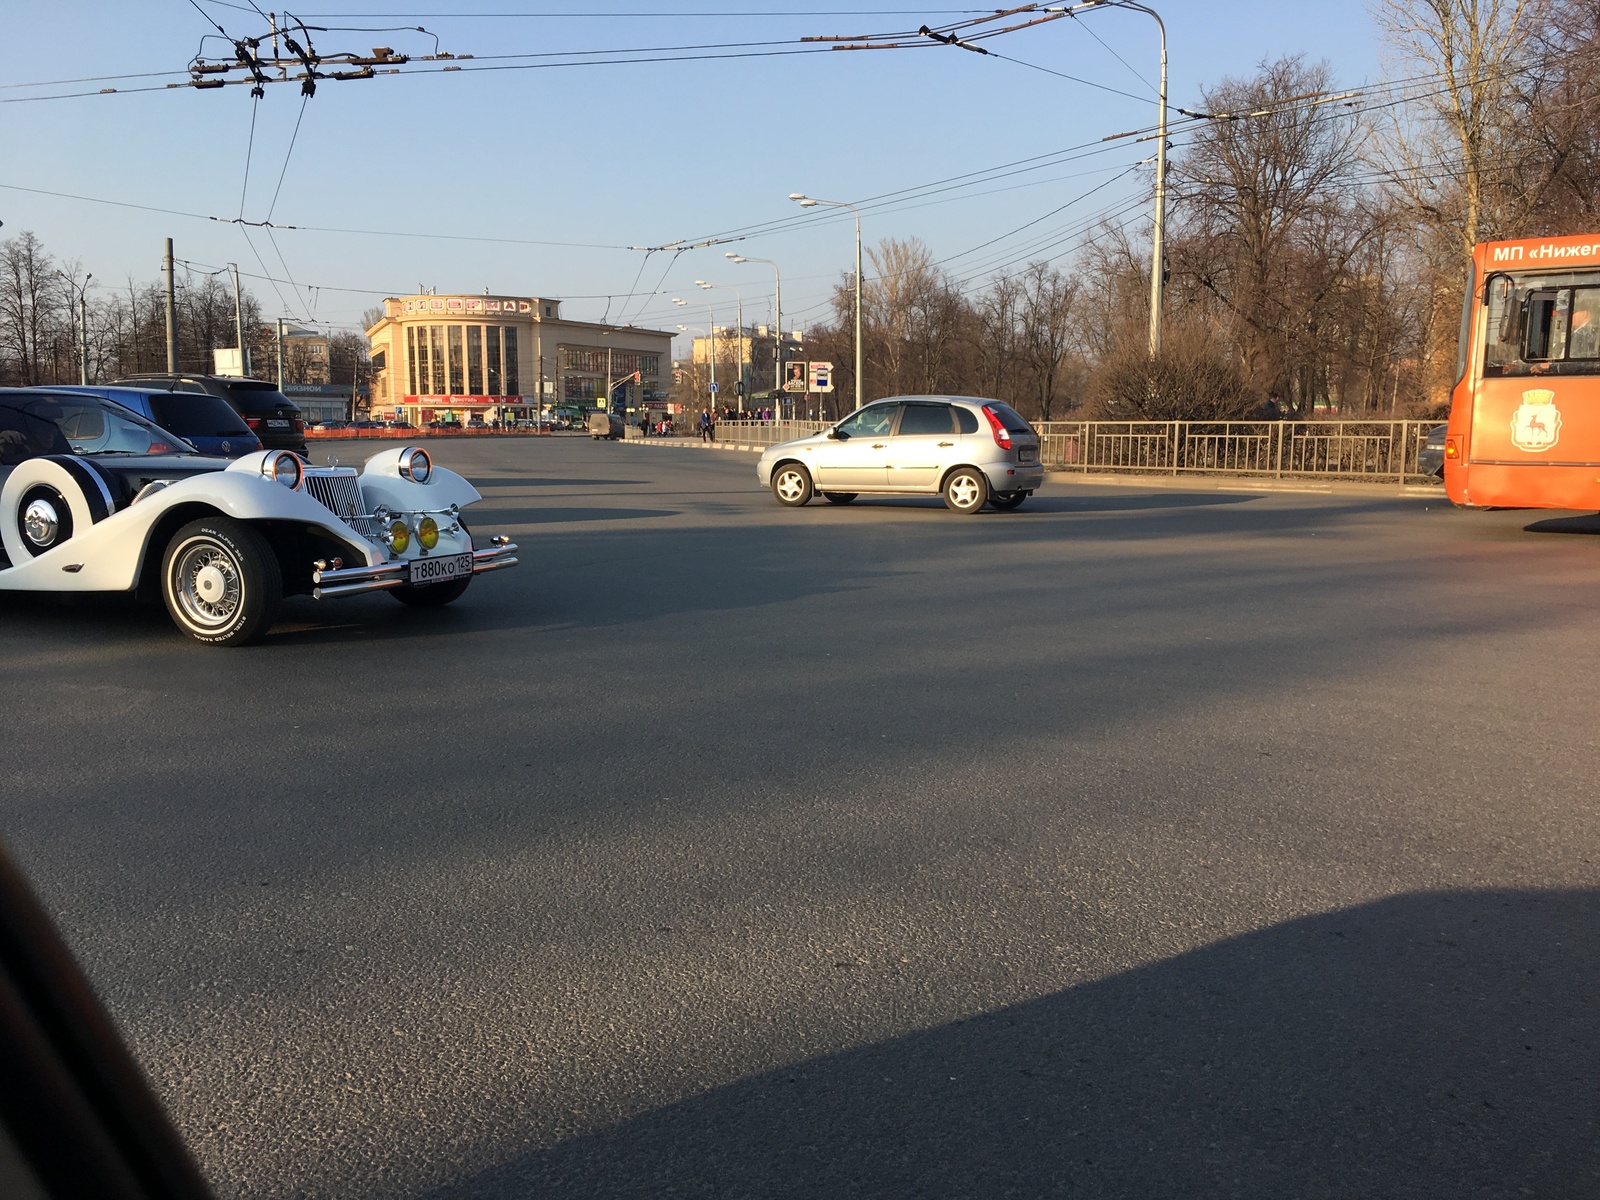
column 206, row 422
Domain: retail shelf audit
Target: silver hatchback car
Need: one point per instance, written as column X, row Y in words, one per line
column 970, row 450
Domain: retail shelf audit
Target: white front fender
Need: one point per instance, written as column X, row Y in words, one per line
column 106, row 556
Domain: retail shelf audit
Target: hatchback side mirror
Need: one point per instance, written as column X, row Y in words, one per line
column 836, row 435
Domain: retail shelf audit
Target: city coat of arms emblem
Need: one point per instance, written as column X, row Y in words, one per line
column 1536, row 425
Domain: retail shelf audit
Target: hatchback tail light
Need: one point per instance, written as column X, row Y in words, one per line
column 1002, row 435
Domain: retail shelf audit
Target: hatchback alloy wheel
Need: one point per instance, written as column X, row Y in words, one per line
column 791, row 484
column 966, row 491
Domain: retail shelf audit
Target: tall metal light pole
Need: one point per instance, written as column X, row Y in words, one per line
column 1158, row 233
column 777, row 310
column 81, row 303
column 711, row 324
column 743, row 387
column 807, row 202
column 238, row 328
column 172, row 311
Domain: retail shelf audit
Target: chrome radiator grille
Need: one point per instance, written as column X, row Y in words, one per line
column 337, row 489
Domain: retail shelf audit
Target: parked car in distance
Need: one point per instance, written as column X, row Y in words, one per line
column 1430, row 458
column 970, row 450
column 208, row 424
column 270, row 414
column 605, row 425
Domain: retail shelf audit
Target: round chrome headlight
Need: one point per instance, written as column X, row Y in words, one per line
column 399, row 537
column 284, row 468
column 415, row 465
column 428, row 533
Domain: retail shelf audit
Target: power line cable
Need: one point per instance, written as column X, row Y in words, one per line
column 271, row 208
column 249, row 151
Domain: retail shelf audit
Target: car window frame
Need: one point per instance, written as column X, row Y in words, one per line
column 894, row 419
column 907, row 405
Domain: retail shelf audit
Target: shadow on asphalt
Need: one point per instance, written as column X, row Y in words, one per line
column 1435, row 1045
column 1587, row 523
column 583, row 572
column 501, row 481
column 564, row 516
column 1138, row 501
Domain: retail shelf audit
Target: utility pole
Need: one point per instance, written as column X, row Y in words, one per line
column 172, row 314
column 83, row 333
column 238, row 326
column 777, row 309
column 80, row 306
column 280, row 354
column 1158, row 266
column 740, row 318
column 806, row 201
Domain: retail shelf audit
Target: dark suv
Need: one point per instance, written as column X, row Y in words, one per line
column 271, row 416
column 207, row 423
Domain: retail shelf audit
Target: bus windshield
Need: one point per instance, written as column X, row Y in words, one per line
column 1543, row 324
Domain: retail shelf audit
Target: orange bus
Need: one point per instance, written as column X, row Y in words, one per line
column 1524, row 426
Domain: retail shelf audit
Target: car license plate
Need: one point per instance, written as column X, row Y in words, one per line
column 272, row 424
column 437, row 570
column 1027, row 454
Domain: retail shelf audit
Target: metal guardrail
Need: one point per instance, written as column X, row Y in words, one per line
column 1280, row 449
column 752, row 433
column 1372, row 450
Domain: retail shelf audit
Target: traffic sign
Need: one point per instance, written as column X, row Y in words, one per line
column 821, row 377
column 713, row 389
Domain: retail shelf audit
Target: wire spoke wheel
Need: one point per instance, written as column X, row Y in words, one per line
column 221, row 582
column 207, row 584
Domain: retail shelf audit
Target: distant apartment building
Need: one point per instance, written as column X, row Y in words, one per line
column 452, row 357
column 755, row 347
column 305, row 356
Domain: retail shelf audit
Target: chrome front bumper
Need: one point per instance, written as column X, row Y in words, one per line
column 330, row 580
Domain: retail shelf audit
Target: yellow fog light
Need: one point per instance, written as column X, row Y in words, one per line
column 399, row 537
column 428, row 533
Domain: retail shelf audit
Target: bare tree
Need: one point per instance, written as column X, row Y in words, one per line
column 1451, row 152
column 1047, row 337
column 1259, row 196
column 31, row 310
column 998, row 332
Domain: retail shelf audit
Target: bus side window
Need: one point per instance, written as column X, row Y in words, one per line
column 1584, row 341
column 1504, row 349
column 1547, row 332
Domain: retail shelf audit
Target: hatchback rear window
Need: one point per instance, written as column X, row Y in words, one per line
column 201, row 416
column 1009, row 417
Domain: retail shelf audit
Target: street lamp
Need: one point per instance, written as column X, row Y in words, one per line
column 740, row 319
column 807, row 202
column 777, row 309
column 1158, row 233
column 610, row 383
column 711, row 324
column 81, row 295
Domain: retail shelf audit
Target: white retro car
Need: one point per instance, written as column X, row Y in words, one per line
column 94, row 498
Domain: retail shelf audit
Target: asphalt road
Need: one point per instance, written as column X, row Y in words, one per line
column 1143, row 842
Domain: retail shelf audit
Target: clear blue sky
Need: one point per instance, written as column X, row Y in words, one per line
column 596, row 158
